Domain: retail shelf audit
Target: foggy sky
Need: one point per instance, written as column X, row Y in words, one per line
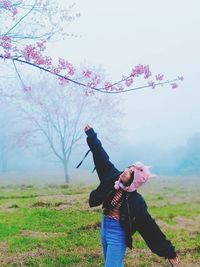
column 121, row 34
column 117, row 35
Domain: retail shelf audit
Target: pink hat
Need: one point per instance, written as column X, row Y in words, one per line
column 141, row 175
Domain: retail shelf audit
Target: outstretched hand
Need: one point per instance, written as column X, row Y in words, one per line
column 87, row 127
column 174, row 262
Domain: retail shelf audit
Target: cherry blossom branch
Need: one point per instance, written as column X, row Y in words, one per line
column 33, row 54
column 99, row 89
column 144, row 86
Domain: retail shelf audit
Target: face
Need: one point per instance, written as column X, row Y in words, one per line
column 126, row 175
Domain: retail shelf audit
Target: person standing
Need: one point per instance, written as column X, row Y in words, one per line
column 124, row 209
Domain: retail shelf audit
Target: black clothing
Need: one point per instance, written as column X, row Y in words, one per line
column 134, row 215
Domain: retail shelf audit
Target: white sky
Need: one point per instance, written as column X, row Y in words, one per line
column 164, row 34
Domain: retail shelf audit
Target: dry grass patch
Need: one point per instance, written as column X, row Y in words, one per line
column 3, row 248
column 184, row 222
column 144, row 257
column 19, row 259
column 92, row 226
column 64, row 207
column 41, row 234
column 52, row 197
column 163, row 225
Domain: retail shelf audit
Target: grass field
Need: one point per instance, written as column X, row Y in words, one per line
column 51, row 225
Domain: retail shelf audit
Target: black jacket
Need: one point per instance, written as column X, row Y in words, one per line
column 134, row 214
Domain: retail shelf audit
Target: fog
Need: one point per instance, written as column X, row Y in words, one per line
column 159, row 127
column 119, row 35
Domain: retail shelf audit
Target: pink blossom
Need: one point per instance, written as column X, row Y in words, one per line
column 159, row 77
column 147, row 72
column 181, row 78
column 86, row 93
column 7, row 4
column 89, row 92
column 108, row 85
column 96, row 79
column 71, row 70
column 48, row 61
column 40, row 61
column 64, row 64
column 61, row 64
column 6, row 42
column 92, row 84
column 27, row 89
column 129, row 81
column 41, row 45
column 119, row 88
column 152, row 84
column 64, row 80
column 55, row 70
column 141, row 69
column 87, row 73
column 7, row 54
column 138, row 70
column 15, row 49
column 174, row 85
column 29, row 52
column 14, row 11
column 61, row 81
column 32, row 53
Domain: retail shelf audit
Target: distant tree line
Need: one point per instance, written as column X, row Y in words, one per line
column 181, row 160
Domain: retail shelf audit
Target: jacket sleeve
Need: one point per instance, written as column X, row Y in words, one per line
column 105, row 169
column 151, row 233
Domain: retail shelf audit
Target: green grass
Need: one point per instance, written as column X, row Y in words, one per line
column 53, row 226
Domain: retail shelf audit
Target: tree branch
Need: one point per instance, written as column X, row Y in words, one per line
column 22, row 18
column 100, row 89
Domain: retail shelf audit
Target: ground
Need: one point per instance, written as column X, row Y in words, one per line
column 52, row 225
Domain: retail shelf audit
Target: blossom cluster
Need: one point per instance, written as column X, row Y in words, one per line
column 7, row 5
column 34, row 54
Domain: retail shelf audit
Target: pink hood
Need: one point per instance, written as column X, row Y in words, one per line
column 141, row 175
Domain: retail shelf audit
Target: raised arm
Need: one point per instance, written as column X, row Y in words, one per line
column 105, row 169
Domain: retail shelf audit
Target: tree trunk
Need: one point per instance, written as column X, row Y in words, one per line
column 65, row 165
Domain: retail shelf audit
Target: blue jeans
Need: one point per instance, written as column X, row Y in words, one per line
column 113, row 242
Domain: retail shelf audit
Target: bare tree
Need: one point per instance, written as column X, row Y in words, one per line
column 60, row 117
